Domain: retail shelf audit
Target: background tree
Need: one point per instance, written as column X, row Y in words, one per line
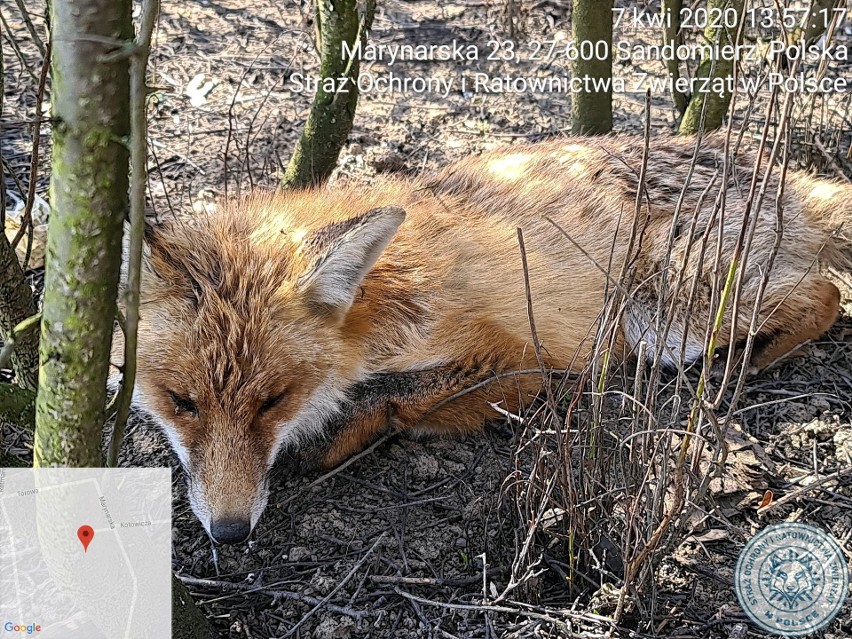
column 20, row 339
column 16, row 299
column 16, row 306
column 592, row 23
column 331, row 116
column 17, row 411
column 817, row 20
column 710, row 107
column 671, row 34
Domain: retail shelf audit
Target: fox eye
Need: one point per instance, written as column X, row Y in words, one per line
column 271, row 403
column 184, row 405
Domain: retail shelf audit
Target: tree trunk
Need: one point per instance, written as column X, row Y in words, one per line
column 17, row 412
column 818, row 19
column 592, row 24
column 713, row 105
column 187, row 620
column 89, row 201
column 671, row 19
column 16, row 305
column 16, row 297
column 332, row 114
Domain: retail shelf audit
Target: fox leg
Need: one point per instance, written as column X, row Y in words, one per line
column 806, row 314
column 411, row 400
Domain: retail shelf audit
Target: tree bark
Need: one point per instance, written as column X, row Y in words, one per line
column 332, row 114
column 88, row 189
column 16, row 305
column 671, row 19
column 17, row 412
column 592, row 23
column 713, row 106
column 187, row 620
column 818, row 19
column 16, row 297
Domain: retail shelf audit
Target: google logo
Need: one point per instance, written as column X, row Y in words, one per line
column 29, row 629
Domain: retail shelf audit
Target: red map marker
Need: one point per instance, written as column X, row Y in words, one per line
column 85, row 534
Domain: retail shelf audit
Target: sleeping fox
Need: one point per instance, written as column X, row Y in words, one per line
column 310, row 321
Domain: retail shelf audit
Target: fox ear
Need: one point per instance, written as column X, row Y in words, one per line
column 342, row 253
column 159, row 263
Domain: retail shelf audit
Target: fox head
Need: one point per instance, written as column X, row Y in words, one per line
column 242, row 342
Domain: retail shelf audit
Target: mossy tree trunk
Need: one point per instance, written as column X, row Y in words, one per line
column 671, row 34
column 592, row 24
column 89, row 200
column 16, row 297
column 712, row 105
column 16, row 305
column 17, row 412
column 332, row 113
column 817, row 21
column 187, row 620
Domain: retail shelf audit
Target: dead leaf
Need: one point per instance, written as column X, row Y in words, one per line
column 714, row 534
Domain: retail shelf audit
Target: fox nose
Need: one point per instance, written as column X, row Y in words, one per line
column 230, row 531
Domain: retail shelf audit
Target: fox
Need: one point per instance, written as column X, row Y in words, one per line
column 303, row 324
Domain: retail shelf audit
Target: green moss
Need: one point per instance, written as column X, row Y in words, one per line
column 187, row 620
column 592, row 110
column 17, row 406
column 716, row 102
column 17, row 412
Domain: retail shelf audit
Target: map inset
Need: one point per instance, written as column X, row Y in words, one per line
column 85, row 553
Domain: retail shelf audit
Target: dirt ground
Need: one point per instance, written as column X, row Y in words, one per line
column 411, row 538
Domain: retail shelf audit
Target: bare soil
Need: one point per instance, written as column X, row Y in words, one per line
column 411, row 538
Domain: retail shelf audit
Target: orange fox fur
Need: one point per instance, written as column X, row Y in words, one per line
column 312, row 320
